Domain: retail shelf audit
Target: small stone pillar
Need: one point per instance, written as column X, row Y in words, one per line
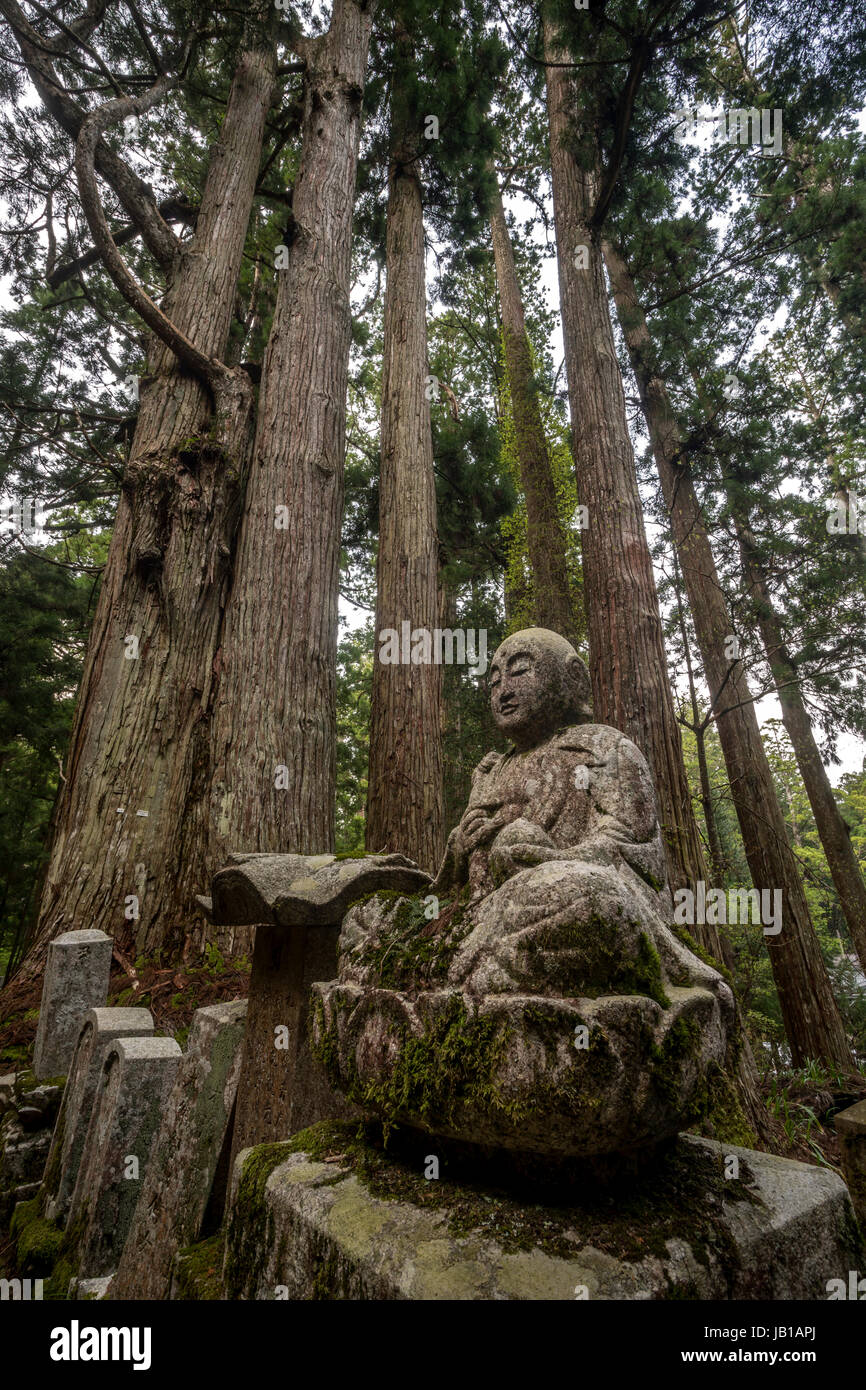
column 100, row 1027
column 137, row 1075
column 76, row 979
column 851, row 1129
column 296, row 903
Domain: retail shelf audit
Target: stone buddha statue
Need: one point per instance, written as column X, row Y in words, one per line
column 535, row 997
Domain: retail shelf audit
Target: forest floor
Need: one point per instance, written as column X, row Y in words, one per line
column 800, row 1104
column 172, row 993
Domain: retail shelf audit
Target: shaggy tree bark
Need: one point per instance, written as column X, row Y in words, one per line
column 631, row 689
column 552, row 602
column 133, row 841
column 404, row 789
column 811, row 1017
column 274, row 746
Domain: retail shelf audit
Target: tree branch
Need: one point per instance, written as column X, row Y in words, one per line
column 207, row 368
column 639, row 59
column 132, row 191
column 172, row 209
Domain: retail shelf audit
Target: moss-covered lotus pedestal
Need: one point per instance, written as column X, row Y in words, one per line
column 331, row 1214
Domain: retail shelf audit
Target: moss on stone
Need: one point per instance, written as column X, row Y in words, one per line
column 696, row 949
column 411, row 949
column 38, row 1241
column 454, row 1061
column 198, row 1271
column 591, row 963
column 64, row 1271
column 646, row 974
column 680, row 1194
column 251, row 1225
column 38, row 1247
column 682, row 1044
column 722, row 1114
column 24, row 1213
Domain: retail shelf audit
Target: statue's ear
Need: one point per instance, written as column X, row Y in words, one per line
column 582, row 684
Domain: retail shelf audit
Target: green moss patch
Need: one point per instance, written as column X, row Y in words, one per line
column 198, row 1271
column 455, row 1061
column 38, row 1242
column 251, row 1226
column 687, row 940
column 590, row 959
column 412, row 950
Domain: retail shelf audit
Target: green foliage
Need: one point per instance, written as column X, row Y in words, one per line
column 43, row 621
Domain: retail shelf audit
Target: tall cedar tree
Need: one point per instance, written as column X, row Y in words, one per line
column 818, row 208
column 631, row 688
column 812, row 1020
column 404, row 796
column 135, row 787
column 442, row 68
column 552, row 597
column 274, row 744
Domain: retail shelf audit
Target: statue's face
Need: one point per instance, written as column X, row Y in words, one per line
column 534, row 680
column 517, row 694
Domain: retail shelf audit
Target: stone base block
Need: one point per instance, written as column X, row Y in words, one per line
column 708, row 1221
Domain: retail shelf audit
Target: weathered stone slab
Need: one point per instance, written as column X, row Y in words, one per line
column 296, row 903
column 851, row 1129
column 781, row 1230
column 100, row 1027
column 76, row 980
column 136, row 1077
column 180, row 1175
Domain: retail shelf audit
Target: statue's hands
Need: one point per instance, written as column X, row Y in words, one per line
column 477, row 828
column 533, row 854
column 599, row 851
column 509, row 858
column 506, row 859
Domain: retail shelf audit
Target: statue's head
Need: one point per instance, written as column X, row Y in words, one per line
column 538, row 684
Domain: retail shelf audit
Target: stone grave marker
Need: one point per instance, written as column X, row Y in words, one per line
column 76, row 979
column 100, row 1027
column 180, row 1177
column 136, row 1077
column 851, row 1129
